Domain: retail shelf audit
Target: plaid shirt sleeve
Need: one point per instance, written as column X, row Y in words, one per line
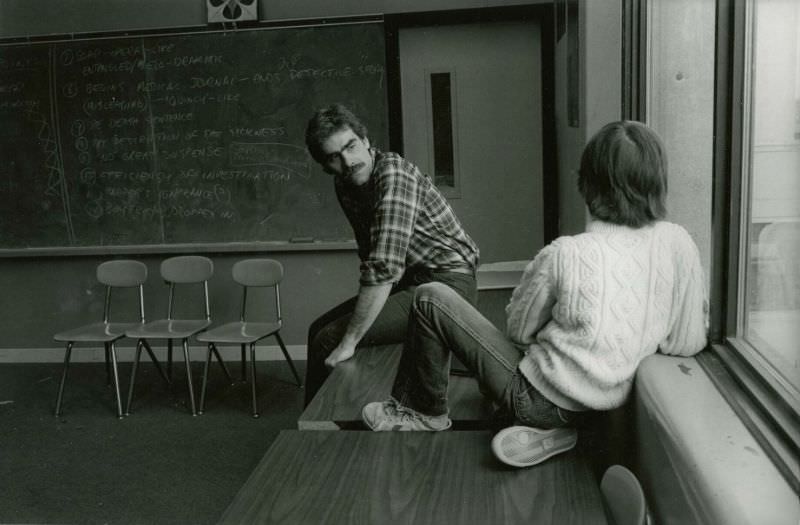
column 398, row 197
column 355, row 215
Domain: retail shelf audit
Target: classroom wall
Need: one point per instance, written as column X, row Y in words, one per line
column 48, row 294
column 25, row 18
column 600, row 43
column 44, row 295
column 680, row 106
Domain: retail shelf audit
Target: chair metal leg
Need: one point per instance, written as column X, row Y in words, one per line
column 205, row 379
column 189, row 375
column 135, row 365
column 253, row 377
column 155, row 362
column 288, row 359
column 63, row 379
column 169, row 359
column 244, row 364
column 108, row 364
column 221, row 363
column 118, row 398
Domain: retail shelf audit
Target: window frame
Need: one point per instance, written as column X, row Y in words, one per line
column 454, row 191
column 761, row 398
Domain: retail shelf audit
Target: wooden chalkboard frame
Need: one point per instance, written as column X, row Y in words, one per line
column 184, row 247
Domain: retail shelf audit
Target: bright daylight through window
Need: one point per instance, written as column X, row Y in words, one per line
column 770, row 316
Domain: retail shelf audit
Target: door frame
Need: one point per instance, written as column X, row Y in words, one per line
column 543, row 13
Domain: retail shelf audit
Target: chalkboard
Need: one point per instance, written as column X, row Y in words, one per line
column 197, row 138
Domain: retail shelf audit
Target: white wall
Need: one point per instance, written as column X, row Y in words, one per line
column 600, row 35
column 680, row 107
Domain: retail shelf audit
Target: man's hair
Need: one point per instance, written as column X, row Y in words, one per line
column 325, row 123
column 623, row 174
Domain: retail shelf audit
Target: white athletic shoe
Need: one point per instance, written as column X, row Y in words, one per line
column 520, row 446
column 390, row 415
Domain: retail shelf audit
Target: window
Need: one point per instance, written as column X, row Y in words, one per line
column 770, row 311
column 443, row 140
column 758, row 203
column 442, row 116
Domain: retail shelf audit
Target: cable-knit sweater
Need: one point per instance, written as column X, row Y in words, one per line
column 590, row 307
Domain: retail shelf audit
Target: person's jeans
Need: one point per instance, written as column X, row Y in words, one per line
column 390, row 326
column 441, row 322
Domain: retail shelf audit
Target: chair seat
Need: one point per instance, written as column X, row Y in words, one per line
column 96, row 332
column 239, row 332
column 169, row 329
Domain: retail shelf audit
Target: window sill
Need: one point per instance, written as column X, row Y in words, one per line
column 698, row 462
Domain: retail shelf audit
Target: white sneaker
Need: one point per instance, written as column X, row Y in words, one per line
column 390, row 415
column 520, row 446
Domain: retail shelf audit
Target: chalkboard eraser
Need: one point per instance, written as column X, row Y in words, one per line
column 301, row 239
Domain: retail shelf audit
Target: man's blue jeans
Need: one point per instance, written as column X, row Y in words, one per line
column 442, row 323
column 390, row 327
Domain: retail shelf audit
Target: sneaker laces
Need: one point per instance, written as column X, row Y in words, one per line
column 404, row 413
column 395, row 409
column 391, row 406
column 399, row 412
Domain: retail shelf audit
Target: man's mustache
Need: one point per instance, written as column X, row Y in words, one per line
column 355, row 168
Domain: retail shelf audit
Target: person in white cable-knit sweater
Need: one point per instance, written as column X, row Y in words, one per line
column 588, row 309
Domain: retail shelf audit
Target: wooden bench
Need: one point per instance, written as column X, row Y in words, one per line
column 410, row 477
column 368, row 376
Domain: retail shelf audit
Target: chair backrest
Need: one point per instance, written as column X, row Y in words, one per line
column 623, row 496
column 187, row 269
column 259, row 273
column 123, row 273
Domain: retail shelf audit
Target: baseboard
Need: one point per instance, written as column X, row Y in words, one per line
column 85, row 354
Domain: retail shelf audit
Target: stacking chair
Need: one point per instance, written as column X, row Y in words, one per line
column 624, row 497
column 249, row 273
column 113, row 274
column 176, row 271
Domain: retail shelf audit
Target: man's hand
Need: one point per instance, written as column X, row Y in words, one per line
column 343, row 352
column 368, row 305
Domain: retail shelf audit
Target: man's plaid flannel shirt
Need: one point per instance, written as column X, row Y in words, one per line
column 401, row 221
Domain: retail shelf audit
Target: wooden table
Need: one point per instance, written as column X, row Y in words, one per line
column 355, row 477
column 368, row 376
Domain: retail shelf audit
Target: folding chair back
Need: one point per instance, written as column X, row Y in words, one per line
column 186, row 269
column 122, row 273
column 259, row 273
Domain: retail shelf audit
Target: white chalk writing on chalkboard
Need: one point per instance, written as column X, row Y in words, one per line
column 179, row 138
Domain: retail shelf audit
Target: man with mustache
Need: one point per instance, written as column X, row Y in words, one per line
column 407, row 234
